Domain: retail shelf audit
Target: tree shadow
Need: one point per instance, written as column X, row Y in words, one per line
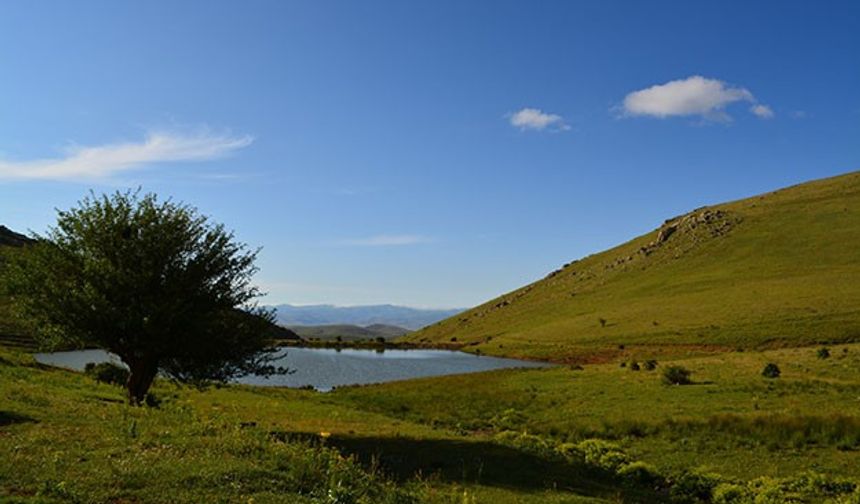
column 9, row 418
column 478, row 462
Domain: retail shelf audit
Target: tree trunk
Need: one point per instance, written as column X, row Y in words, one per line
column 141, row 373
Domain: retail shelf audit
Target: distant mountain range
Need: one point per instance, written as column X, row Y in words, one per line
column 348, row 332
column 391, row 315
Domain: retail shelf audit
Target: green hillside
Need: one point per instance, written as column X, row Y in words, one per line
column 12, row 333
column 782, row 268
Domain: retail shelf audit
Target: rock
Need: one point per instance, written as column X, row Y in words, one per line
column 666, row 232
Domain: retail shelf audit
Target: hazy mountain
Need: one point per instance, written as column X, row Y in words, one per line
column 400, row 316
column 348, row 332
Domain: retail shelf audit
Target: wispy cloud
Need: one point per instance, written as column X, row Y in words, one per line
column 693, row 96
column 762, row 111
column 387, row 240
column 536, row 119
column 103, row 161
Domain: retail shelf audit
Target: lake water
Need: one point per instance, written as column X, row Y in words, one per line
column 325, row 368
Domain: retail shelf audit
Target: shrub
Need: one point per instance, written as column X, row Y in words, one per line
column 107, row 372
column 603, row 454
column 730, row 493
column 819, row 484
column 571, row 452
column 806, row 487
column 526, row 442
column 640, row 473
column 634, row 366
column 823, row 353
column 650, row 365
column 676, row 375
column 771, row 370
column 510, row 419
column 694, row 487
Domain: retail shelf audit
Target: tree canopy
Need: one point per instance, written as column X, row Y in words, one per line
column 152, row 281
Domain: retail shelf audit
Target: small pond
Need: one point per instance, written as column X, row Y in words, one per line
column 326, row 368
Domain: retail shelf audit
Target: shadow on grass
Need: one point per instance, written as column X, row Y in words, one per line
column 9, row 418
column 477, row 462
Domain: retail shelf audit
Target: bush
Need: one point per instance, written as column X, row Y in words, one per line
column 634, row 366
column 640, row 473
column 730, row 493
column 570, row 452
column 676, row 375
column 526, row 442
column 823, row 353
column 771, row 370
column 650, row 365
column 509, row 420
column 603, row 454
column 819, row 484
column 694, row 487
column 107, row 372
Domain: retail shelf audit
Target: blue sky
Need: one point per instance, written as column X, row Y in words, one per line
column 423, row 153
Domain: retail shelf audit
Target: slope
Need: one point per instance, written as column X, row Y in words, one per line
column 12, row 332
column 782, row 268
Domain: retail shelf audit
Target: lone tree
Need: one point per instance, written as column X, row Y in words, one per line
column 153, row 282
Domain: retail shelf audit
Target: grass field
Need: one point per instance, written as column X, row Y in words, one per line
column 772, row 270
column 64, row 437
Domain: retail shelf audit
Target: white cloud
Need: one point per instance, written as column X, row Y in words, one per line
column 762, row 111
column 693, row 96
column 102, row 161
column 536, row 119
column 387, row 240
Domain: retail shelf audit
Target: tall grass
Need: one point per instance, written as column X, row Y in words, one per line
column 775, row 430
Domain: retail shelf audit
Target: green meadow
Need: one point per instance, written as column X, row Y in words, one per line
column 504, row 436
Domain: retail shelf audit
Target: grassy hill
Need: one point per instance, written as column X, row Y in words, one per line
column 782, row 268
column 11, row 238
column 11, row 332
column 349, row 332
